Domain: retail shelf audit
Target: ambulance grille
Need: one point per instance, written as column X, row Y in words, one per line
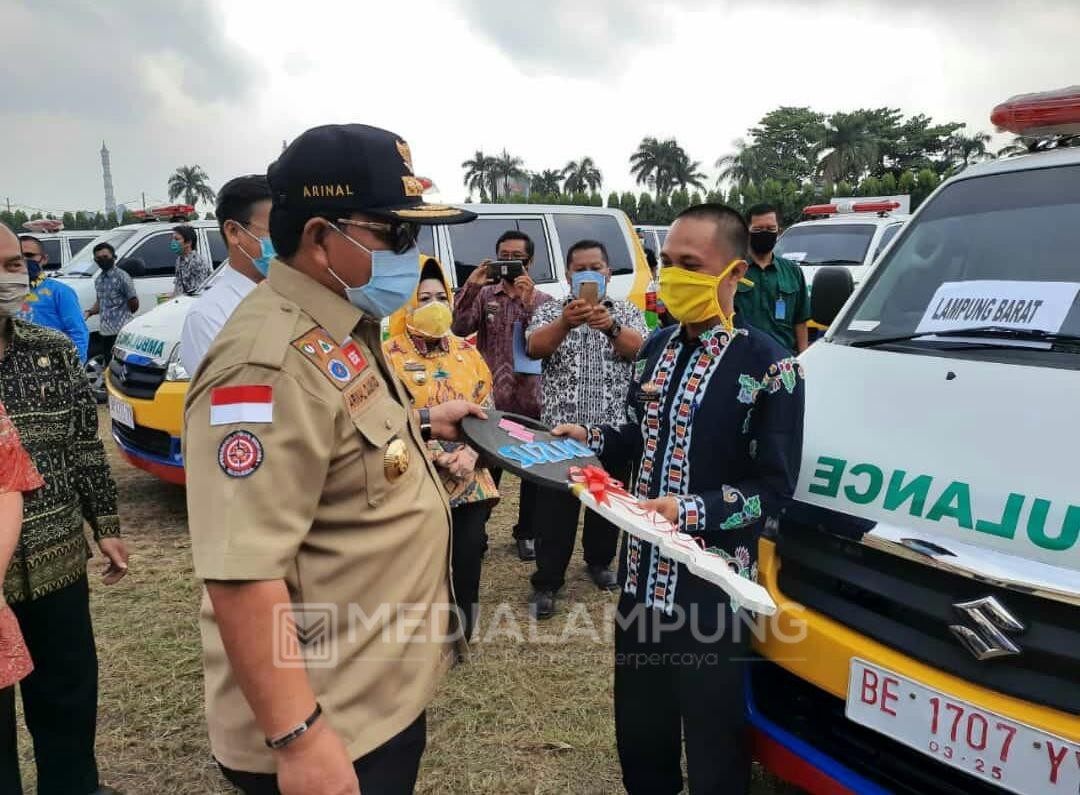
column 910, row 607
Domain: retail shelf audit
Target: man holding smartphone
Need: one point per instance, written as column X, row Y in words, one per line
column 588, row 344
column 496, row 303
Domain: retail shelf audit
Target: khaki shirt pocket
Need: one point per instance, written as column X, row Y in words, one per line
column 383, row 429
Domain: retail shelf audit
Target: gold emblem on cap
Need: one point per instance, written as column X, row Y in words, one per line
column 43, row 361
column 413, row 186
column 395, row 460
column 406, row 154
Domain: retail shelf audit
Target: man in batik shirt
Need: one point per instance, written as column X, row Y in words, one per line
column 43, row 386
column 715, row 420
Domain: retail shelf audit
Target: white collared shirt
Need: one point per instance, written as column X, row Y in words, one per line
column 209, row 314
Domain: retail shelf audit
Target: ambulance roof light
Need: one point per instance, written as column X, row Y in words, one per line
column 1043, row 114
column 846, row 207
column 168, row 212
column 44, row 225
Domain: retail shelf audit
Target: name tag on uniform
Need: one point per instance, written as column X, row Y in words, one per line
column 781, row 309
column 360, row 394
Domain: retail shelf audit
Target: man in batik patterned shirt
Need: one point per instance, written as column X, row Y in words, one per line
column 44, row 389
column 588, row 351
column 714, row 418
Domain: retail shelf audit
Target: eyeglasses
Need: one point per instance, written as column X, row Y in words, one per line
column 400, row 237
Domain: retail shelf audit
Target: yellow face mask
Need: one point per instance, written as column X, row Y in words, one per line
column 432, row 320
column 691, row 297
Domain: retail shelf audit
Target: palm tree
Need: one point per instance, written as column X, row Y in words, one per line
column 505, row 167
column 191, row 182
column 965, row 150
column 687, row 173
column 743, row 166
column 654, row 164
column 548, row 181
column 477, row 173
column 582, row 176
column 848, row 149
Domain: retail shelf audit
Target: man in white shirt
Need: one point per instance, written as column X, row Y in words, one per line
column 243, row 213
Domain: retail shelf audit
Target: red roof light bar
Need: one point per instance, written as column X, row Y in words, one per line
column 1042, row 114
column 851, row 207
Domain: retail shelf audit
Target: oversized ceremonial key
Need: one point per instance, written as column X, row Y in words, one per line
column 601, row 493
column 527, row 448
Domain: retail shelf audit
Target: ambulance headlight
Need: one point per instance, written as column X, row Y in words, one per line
column 175, row 370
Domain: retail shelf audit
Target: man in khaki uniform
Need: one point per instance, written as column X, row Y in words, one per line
column 317, row 521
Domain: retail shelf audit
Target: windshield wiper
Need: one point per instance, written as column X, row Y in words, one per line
column 1002, row 332
column 834, row 262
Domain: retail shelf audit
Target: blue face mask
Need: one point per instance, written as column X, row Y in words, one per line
column 175, row 247
column 262, row 262
column 581, row 277
column 393, row 280
column 33, row 269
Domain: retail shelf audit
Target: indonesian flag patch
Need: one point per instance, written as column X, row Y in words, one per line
column 241, row 404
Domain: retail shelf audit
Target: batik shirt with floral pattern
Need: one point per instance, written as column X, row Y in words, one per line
column 717, row 423
column 585, row 381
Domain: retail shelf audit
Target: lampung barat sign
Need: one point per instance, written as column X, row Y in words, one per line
column 1026, row 306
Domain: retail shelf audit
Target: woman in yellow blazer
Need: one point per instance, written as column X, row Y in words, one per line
column 438, row 366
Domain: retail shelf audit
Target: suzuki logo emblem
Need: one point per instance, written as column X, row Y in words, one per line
column 991, row 621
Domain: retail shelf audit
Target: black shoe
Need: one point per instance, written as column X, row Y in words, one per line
column 105, row 791
column 604, row 577
column 526, row 549
column 542, row 604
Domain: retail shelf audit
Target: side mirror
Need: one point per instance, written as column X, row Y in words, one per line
column 832, row 287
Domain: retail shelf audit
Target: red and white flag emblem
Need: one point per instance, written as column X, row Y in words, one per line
column 247, row 404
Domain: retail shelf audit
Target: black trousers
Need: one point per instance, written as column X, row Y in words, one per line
column 676, row 682
column 470, row 541
column 556, row 534
column 60, row 695
column 107, row 344
column 390, row 769
column 525, row 529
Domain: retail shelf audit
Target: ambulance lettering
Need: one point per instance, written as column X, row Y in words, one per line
column 934, row 499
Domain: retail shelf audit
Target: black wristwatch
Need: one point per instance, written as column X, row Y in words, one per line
column 425, row 424
column 615, row 330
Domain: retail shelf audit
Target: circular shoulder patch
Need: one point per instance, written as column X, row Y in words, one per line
column 338, row 370
column 240, row 454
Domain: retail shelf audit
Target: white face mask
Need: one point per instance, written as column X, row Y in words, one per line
column 13, row 290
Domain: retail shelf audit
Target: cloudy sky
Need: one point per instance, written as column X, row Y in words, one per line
column 222, row 84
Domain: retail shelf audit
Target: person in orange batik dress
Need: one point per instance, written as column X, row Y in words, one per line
column 17, row 475
column 437, row 366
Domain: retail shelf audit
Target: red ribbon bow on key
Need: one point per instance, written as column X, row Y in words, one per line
column 597, row 482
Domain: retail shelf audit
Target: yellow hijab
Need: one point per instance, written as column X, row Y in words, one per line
column 430, row 268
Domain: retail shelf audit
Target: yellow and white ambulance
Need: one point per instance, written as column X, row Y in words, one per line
column 928, row 575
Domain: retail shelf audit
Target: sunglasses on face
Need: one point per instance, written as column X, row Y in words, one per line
column 400, row 237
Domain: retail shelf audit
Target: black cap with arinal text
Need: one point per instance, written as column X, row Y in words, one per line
column 354, row 168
